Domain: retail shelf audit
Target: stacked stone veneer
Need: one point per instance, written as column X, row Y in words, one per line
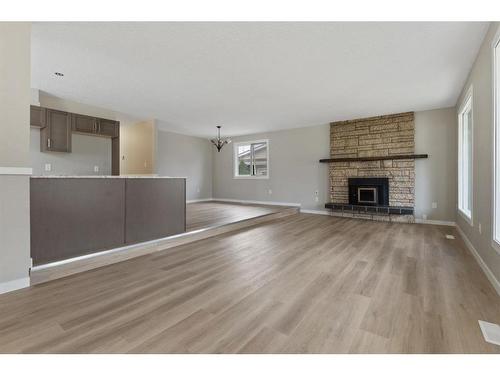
column 375, row 136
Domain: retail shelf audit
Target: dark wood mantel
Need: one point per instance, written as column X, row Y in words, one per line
column 375, row 158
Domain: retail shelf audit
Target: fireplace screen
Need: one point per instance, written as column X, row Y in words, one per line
column 367, row 195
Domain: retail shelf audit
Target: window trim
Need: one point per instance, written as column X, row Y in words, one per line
column 495, row 237
column 235, row 164
column 468, row 102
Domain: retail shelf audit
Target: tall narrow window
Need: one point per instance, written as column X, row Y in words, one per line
column 251, row 159
column 465, row 133
column 496, row 148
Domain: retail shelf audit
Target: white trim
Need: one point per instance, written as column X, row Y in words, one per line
column 436, row 222
column 238, row 177
column 467, row 104
column 12, row 285
column 117, row 249
column 16, row 171
column 200, row 200
column 316, row 212
column 495, row 242
column 257, row 202
column 490, row 275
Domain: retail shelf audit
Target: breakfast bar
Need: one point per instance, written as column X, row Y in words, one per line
column 73, row 216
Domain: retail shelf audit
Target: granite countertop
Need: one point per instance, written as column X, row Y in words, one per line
column 125, row 176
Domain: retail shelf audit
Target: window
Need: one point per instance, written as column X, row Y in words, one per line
column 251, row 159
column 465, row 129
column 496, row 139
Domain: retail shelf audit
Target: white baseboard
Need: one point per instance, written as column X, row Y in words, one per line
column 436, row 222
column 16, row 171
column 257, row 202
column 316, row 212
column 200, row 200
column 491, row 277
column 12, row 285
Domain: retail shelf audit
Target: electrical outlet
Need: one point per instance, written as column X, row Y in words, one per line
column 434, row 205
column 316, row 199
column 48, row 167
column 145, row 164
column 96, row 168
column 480, row 228
column 270, row 192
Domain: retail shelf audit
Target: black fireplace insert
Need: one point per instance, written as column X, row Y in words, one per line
column 369, row 191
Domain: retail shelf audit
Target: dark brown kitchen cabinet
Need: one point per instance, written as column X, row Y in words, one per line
column 37, row 116
column 83, row 124
column 56, row 135
column 108, row 128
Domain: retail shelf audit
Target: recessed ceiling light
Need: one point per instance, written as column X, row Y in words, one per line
column 59, row 74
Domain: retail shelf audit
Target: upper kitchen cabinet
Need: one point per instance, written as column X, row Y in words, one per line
column 94, row 126
column 108, row 128
column 37, row 116
column 83, row 124
column 56, row 135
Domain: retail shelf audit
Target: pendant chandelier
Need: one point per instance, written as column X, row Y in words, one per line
column 219, row 142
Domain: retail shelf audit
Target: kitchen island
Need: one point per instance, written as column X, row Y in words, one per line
column 73, row 216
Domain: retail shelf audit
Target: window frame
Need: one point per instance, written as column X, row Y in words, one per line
column 467, row 104
column 235, row 160
column 495, row 232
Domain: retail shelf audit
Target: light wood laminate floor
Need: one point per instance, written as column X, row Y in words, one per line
column 200, row 215
column 302, row 284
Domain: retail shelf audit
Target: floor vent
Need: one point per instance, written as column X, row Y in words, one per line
column 491, row 332
column 450, row 237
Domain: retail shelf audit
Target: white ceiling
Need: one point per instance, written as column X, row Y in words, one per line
column 254, row 77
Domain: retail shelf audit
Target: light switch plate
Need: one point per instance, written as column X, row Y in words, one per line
column 96, row 168
column 48, row 167
column 434, row 205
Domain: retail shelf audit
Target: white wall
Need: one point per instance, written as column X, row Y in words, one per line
column 14, row 155
column 294, row 171
column 481, row 79
column 435, row 178
column 296, row 174
column 186, row 156
column 87, row 151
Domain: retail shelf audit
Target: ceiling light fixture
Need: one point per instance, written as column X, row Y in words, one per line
column 219, row 142
column 59, row 74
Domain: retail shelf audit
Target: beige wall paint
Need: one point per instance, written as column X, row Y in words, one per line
column 14, row 99
column 186, row 156
column 14, row 152
column 481, row 79
column 435, row 178
column 138, row 148
column 296, row 174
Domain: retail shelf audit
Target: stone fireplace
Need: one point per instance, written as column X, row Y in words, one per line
column 375, row 189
